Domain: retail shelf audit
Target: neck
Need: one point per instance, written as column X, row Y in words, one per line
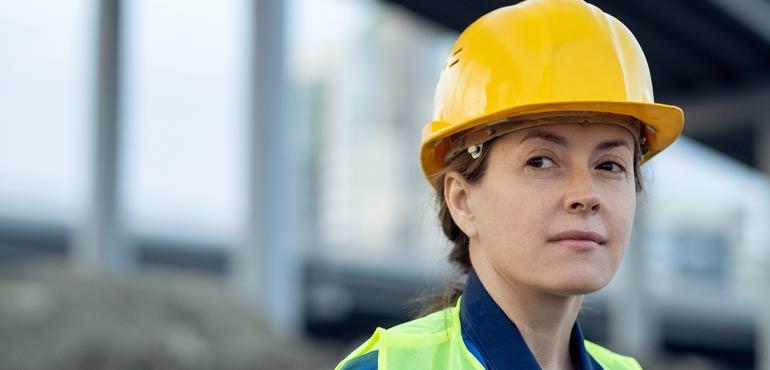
column 544, row 319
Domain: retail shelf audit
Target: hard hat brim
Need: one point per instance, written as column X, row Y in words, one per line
column 665, row 120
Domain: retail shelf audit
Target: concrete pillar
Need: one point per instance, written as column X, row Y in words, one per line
column 633, row 328
column 266, row 264
column 99, row 243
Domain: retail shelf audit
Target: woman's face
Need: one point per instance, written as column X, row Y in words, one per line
column 554, row 208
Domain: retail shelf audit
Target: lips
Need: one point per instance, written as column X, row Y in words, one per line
column 578, row 235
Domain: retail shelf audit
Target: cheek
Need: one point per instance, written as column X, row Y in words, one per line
column 511, row 220
column 620, row 217
column 497, row 217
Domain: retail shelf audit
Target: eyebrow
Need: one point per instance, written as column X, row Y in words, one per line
column 562, row 141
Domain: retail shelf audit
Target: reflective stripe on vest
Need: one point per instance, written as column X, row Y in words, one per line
column 435, row 342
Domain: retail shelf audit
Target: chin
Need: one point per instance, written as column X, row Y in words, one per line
column 579, row 284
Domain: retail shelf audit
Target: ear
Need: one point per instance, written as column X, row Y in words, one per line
column 457, row 197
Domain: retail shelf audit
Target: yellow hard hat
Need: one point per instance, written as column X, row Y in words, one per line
column 541, row 56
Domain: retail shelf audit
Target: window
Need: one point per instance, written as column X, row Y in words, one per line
column 184, row 116
column 45, row 82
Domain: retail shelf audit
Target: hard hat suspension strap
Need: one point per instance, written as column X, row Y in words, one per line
column 473, row 140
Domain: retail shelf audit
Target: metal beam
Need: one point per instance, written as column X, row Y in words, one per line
column 99, row 242
column 762, row 146
column 763, row 321
column 266, row 264
column 763, row 331
column 724, row 111
column 753, row 13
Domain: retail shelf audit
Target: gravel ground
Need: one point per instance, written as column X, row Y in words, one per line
column 52, row 319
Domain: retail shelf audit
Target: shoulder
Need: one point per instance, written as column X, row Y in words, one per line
column 429, row 329
column 610, row 360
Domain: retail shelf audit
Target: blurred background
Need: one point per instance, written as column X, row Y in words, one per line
column 199, row 184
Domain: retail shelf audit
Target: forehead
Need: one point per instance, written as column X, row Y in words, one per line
column 571, row 135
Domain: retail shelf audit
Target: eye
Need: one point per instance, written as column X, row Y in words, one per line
column 611, row 166
column 541, row 162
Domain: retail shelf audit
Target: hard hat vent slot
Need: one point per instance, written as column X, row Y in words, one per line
column 451, row 63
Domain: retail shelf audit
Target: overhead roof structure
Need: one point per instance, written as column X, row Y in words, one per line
column 690, row 46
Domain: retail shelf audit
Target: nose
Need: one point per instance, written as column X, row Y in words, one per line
column 582, row 196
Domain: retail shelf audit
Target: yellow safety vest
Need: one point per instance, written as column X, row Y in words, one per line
column 435, row 342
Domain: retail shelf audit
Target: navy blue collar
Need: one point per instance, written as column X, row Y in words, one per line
column 497, row 338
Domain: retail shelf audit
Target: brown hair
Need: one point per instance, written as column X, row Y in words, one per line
column 473, row 170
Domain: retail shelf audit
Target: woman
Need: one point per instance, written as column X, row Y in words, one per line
column 543, row 114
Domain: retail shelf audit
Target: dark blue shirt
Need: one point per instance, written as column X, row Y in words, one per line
column 493, row 338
